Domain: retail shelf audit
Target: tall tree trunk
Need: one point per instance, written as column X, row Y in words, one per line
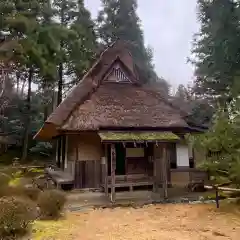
column 45, row 92
column 18, row 82
column 28, row 117
column 60, row 83
column 22, row 88
column 46, row 96
column 59, row 100
column 60, row 67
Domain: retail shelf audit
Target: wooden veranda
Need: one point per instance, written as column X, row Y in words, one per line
column 158, row 179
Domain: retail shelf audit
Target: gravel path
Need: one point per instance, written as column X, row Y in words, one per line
column 154, row 222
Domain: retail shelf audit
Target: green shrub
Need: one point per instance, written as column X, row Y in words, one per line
column 51, row 203
column 16, row 216
column 28, row 192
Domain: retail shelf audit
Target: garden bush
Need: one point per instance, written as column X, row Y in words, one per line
column 30, row 193
column 16, row 216
column 51, row 203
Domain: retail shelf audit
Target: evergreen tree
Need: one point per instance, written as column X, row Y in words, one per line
column 22, row 24
column 82, row 49
column 65, row 13
column 118, row 19
column 182, row 93
column 199, row 111
column 49, row 38
column 24, row 48
column 221, row 145
column 216, row 49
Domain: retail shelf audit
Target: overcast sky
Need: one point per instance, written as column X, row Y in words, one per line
column 168, row 27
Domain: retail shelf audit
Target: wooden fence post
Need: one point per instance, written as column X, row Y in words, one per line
column 217, row 197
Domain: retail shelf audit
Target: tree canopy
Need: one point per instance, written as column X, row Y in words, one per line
column 217, row 61
column 47, row 46
column 216, row 49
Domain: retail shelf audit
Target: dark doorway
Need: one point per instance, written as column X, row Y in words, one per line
column 120, row 159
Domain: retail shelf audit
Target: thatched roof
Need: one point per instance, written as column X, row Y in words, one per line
column 94, row 104
column 114, row 105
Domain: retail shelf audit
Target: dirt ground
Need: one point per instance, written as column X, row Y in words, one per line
column 154, row 222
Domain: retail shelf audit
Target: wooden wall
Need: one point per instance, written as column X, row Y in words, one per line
column 70, row 167
column 88, row 174
column 85, row 151
column 84, row 147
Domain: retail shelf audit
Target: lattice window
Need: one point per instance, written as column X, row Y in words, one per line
column 116, row 74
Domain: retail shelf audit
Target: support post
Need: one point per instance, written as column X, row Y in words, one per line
column 106, row 170
column 66, row 152
column 157, row 168
column 113, row 168
column 164, row 172
column 155, row 175
column 57, row 146
column 78, row 182
column 60, row 152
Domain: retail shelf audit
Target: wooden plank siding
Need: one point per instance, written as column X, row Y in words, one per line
column 88, row 174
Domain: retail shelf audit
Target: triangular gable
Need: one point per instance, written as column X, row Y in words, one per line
column 117, row 74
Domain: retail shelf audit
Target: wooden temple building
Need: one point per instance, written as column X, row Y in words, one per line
column 115, row 132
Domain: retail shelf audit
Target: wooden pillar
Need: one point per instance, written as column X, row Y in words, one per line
column 106, row 170
column 113, row 168
column 164, row 171
column 77, row 178
column 66, row 152
column 157, row 168
column 57, row 147
column 60, row 152
column 155, row 183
